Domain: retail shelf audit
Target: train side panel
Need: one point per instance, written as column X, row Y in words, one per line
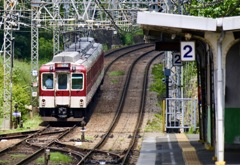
column 94, row 78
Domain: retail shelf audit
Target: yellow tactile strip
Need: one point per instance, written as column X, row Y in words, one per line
column 189, row 152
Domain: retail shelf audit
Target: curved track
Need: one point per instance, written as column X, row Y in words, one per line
column 125, row 118
column 118, row 112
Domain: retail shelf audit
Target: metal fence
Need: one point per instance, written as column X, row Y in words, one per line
column 181, row 114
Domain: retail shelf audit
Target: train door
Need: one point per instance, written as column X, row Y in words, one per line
column 62, row 89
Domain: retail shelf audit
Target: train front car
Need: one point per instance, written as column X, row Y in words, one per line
column 68, row 83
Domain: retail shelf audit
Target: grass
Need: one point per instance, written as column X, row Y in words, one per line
column 33, row 123
column 114, row 81
column 1, row 120
column 191, row 131
column 14, row 156
column 155, row 125
column 4, row 161
column 116, row 73
column 87, row 138
column 30, row 124
column 56, row 158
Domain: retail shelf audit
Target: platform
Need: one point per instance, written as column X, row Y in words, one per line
column 181, row 149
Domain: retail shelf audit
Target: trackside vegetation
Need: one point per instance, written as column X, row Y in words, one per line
column 155, row 125
column 21, row 86
column 56, row 158
column 158, row 86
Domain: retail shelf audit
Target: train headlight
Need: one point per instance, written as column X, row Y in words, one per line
column 43, row 102
column 81, row 102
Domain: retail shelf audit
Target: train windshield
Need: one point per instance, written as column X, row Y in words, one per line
column 77, row 81
column 62, row 80
column 47, row 81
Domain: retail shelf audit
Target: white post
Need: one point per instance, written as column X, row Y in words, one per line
column 220, row 109
column 195, row 109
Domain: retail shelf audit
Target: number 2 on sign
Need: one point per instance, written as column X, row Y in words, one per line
column 188, row 51
column 188, row 48
column 177, row 59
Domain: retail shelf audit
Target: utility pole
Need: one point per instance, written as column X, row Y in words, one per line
column 10, row 22
column 34, row 54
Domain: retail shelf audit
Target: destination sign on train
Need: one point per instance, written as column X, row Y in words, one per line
column 62, row 65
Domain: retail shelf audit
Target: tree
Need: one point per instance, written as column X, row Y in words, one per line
column 45, row 49
column 213, row 9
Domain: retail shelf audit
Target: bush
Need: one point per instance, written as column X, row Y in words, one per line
column 158, row 85
column 155, row 125
column 21, row 88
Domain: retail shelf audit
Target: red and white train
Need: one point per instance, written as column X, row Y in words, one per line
column 68, row 83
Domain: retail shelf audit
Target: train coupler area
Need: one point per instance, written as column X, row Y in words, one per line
column 61, row 114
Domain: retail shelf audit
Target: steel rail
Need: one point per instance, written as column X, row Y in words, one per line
column 42, row 149
column 137, row 49
column 17, row 135
column 142, row 107
column 120, row 105
column 23, row 140
column 142, row 45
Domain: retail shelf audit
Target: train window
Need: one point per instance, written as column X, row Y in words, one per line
column 77, row 81
column 47, row 81
column 62, row 81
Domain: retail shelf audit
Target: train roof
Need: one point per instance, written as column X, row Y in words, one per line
column 67, row 57
column 83, row 52
column 82, row 45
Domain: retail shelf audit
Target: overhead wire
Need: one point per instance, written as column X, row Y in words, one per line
column 112, row 20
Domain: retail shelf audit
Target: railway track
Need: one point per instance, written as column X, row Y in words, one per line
column 123, row 114
column 110, row 111
column 140, row 116
column 16, row 135
column 34, row 146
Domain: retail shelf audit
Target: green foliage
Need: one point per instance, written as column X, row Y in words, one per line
column 18, row 156
column 158, row 85
column 21, row 96
column 214, row 9
column 22, row 43
column 189, row 79
column 45, row 48
column 139, row 32
column 191, row 131
column 56, row 158
column 155, row 125
column 128, row 39
column 30, row 124
column 105, row 47
column 22, row 48
column 5, row 161
column 114, row 81
column 33, row 123
column 19, row 68
column 21, row 86
column 132, row 37
column 114, row 74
